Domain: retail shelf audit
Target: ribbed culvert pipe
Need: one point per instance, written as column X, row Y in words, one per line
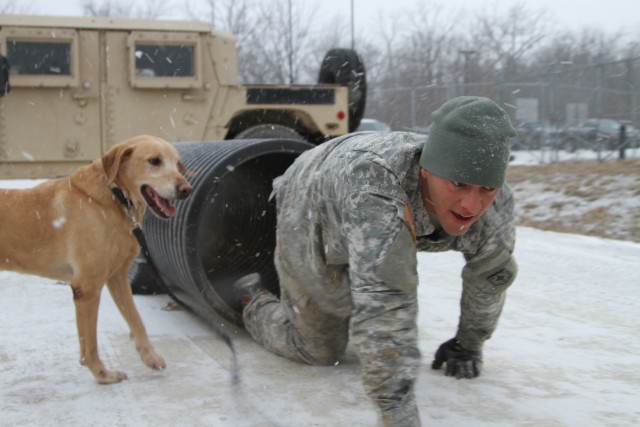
column 226, row 228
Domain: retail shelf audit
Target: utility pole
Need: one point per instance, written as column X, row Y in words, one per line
column 290, row 44
column 353, row 42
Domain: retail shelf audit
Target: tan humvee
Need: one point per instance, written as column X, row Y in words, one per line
column 80, row 85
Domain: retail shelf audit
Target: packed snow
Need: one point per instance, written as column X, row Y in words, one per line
column 566, row 353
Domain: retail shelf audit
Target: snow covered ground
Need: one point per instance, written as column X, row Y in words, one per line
column 584, row 197
column 547, row 155
column 566, row 353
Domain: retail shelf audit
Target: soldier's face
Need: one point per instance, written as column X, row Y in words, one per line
column 456, row 205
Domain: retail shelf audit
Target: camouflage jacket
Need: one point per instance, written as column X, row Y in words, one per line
column 350, row 208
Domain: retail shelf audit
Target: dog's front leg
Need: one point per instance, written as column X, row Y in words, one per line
column 87, row 301
column 120, row 290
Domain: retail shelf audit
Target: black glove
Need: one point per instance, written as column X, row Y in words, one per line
column 461, row 363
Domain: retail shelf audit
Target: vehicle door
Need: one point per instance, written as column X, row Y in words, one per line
column 154, row 85
column 52, row 113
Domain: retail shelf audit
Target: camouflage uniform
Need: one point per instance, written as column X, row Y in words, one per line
column 346, row 260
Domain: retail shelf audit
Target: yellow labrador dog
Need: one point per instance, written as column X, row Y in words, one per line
column 75, row 229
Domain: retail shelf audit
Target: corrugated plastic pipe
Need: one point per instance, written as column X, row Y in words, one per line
column 226, row 228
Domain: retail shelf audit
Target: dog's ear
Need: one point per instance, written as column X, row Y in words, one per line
column 113, row 160
column 184, row 171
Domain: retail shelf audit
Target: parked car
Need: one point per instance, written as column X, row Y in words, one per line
column 419, row 129
column 373, row 124
column 595, row 134
column 534, row 136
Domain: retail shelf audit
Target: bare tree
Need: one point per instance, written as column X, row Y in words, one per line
column 429, row 46
column 503, row 40
column 569, row 49
column 235, row 16
column 286, row 39
column 415, row 50
column 106, row 8
column 151, row 9
column 12, row 7
column 242, row 19
column 271, row 47
column 154, row 9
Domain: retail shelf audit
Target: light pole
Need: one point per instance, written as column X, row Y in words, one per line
column 290, row 45
column 353, row 42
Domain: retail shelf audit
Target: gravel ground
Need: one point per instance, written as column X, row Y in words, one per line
column 583, row 197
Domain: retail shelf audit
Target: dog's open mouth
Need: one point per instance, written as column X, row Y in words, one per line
column 161, row 207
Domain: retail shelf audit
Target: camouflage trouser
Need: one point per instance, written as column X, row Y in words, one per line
column 294, row 326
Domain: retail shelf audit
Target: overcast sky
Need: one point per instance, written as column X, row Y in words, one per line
column 608, row 15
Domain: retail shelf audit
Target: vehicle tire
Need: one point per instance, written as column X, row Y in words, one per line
column 345, row 67
column 269, row 131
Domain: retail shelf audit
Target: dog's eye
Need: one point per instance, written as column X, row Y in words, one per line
column 155, row 161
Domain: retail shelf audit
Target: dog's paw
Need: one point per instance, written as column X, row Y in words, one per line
column 152, row 360
column 110, row 377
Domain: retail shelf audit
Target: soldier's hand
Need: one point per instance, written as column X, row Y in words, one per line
column 461, row 363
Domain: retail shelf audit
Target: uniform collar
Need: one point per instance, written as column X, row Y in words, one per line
column 424, row 222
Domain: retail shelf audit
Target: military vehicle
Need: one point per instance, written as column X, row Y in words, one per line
column 73, row 87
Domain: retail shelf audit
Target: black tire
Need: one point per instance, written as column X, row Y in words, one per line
column 269, row 131
column 345, row 67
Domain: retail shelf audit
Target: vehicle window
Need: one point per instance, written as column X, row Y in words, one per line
column 155, row 60
column 39, row 57
column 372, row 124
column 609, row 125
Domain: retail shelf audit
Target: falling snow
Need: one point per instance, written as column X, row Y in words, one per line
column 27, row 156
column 567, row 337
column 59, row 222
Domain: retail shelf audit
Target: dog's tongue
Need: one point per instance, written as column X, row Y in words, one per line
column 165, row 206
column 161, row 204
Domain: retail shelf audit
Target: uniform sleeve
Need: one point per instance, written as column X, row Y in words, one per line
column 488, row 272
column 383, row 275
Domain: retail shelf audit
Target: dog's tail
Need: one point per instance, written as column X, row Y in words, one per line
column 142, row 241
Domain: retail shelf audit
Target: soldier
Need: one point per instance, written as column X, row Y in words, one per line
column 352, row 214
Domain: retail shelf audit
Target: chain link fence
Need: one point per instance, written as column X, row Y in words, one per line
column 566, row 109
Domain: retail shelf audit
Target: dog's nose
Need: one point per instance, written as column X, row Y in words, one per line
column 183, row 190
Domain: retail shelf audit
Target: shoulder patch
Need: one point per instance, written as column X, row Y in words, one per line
column 501, row 278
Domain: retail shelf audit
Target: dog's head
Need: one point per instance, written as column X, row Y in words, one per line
column 148, row 169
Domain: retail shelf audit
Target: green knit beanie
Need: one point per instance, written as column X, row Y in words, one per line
column 469, row 142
